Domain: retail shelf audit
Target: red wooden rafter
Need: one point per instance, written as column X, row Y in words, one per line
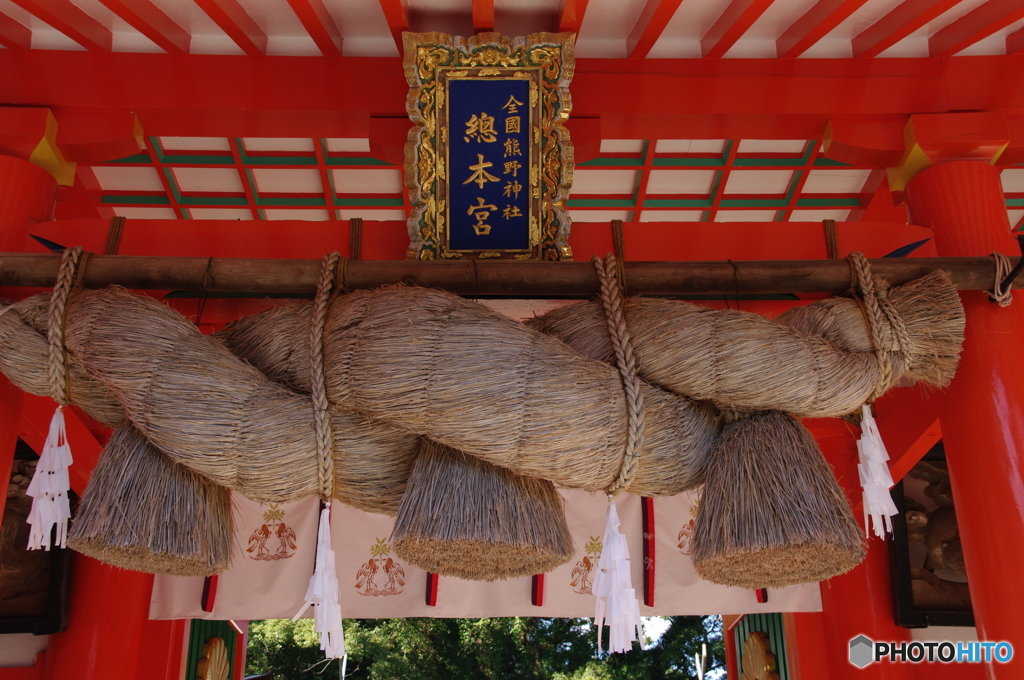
column 1015, row 42
column 978, row 24
column 397, row 16
column 67, row 18
column 236, row 22
column 13, row 34
column 319, row 24
column 655, row 16
column 736, row 20
column 903, row 20
column 150, row 21
column 483, row 16
column 571, row 17
column 814, row 25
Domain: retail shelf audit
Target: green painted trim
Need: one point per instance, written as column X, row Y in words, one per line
column 213, row 200
column 185, row 214
column 780, row 216
column 612, row 162
column 601, row 203
column 355, row 160
column 136, row 159
column 1015, row 203
column 753, row 203
column 689, row 162
column 828, row 203
column 136, row 200
column 278, row 160
column 197, row 160
column 828, row 162
column 313, row 201
column 172, row 183
column 769, row 162
column 678, row 203
column 794, row 182
column 368, row 202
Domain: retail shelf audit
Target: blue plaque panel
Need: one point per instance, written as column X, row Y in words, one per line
column 489, row 123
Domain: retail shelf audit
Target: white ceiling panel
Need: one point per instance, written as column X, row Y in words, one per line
column 758, row 181
column 680, row 182
column 116, row 178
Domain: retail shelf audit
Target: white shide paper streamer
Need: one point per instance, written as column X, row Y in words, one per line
column 875, row 479
column 616, row 597
column 323, row 593
column 49, row 488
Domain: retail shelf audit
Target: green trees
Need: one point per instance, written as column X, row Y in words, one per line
column 474, row 649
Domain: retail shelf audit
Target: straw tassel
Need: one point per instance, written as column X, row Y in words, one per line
column 616, row 597
column 49, row 488
column 323, row 593
column 874, row 477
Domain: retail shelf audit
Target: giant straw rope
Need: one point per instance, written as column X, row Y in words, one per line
column 537, row 399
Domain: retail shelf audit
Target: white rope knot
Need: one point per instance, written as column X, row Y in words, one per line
column 1000, row 294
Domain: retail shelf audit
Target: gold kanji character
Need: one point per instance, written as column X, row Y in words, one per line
column 512, row 105
column 513, row 188
column 481, row 129
column 512, row 124
column 511, row 211
column 481, row 176
column 512, row 147
column 481, row 212
column 511, row 168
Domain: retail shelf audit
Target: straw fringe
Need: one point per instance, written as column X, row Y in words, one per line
column 465, row 518
column 143, row 512
column 772, row 513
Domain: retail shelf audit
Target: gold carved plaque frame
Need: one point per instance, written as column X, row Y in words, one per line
column 432, row 61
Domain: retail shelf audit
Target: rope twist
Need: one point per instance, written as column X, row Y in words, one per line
column 880, row 312
column 1000, row 292
column 68, row 277
column 611, row 301
column 318, row 377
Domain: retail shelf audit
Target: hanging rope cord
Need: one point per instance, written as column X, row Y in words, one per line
column 329, row 271
column 612, row 301
column 72, row 266
column 880, row 313
column 1000, row 292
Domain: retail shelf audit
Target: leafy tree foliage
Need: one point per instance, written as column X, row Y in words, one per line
column 471, row 649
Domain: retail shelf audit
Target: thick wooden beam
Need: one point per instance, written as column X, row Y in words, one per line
column 271, row 96
column 486, row 277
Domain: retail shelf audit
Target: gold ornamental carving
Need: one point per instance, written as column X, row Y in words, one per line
column 214, row 664
column 758, row 661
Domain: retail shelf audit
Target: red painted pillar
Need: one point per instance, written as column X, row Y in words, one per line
column 805, row 646
column 732, row 668
column 982, row 423
column 860, row 601
column 109, row 610
column 27, row 195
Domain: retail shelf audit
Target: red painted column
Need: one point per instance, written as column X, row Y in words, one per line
column 109, row 610
column 27, row 195
column 860, row 601
column 805, row 646
column 732, row 669
column 982, row 423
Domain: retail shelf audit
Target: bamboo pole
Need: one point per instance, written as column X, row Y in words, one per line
column 486, row 278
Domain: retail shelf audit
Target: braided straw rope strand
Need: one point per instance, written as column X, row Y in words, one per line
column 611, row 300
column 880, row 312
column 318, row 378
column 56, row 368
column 998, row 294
